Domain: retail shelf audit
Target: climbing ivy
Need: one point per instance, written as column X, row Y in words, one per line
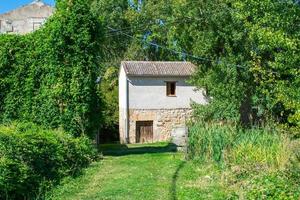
column 49, row 76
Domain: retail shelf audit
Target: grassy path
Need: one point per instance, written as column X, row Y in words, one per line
column 141, row 173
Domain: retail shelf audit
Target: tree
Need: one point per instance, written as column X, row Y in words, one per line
column 108, row 90
column 250, row 52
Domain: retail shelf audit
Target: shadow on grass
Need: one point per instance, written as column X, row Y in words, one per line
column 122, row 149
column 173, row 189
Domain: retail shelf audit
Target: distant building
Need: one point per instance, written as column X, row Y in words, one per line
column 25, row 19
column 155, row 99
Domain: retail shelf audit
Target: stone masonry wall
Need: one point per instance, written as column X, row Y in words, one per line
column 164, row 120
column 122, row 126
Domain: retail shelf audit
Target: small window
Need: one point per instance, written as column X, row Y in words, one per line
column 171, row 89
column 36, row 25
column 9, row 27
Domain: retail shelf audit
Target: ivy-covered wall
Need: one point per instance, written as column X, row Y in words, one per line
column 49, row 76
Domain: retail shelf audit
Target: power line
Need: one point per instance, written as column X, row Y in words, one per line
column 146, row 25
column 126, row 30
column 166, row 48
column 199, row 58
column 186, row 19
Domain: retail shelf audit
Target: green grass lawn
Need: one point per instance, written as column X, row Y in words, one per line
column 141, row 172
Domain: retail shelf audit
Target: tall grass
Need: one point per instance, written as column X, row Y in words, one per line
column 258, row 163
column 260, row 147
column 209, row 141
column 236, row 146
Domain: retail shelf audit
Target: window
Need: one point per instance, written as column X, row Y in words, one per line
column 36, row 25
column 9, row 27
column 171, row 89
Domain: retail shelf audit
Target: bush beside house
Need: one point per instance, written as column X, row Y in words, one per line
column 33, row 158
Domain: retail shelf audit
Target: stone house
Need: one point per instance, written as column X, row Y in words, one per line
column 155, row 99
column 25, row 19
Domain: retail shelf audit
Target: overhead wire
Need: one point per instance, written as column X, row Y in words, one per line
column 184, row 54
column 171, row 50
column 144, row 26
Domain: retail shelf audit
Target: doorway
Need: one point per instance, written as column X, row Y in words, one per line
column 144, row 131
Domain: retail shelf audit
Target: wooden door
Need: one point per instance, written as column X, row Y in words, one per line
column 144, row 131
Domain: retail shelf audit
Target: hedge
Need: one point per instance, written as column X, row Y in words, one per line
column 49, row 76
column 33, row 158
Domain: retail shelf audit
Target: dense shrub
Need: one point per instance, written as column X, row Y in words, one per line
column 49, row 76
column 273, row 186
column 32, row 158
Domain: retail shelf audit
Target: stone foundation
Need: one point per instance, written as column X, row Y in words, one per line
column 122, row 126
column 164, row 120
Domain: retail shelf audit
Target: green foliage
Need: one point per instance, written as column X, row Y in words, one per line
column 248, row 51
column 252, row 71
column 112, row 13
column 273, row 186
column 256, row 163
column 33, row 158
column 209, row 141
column 251, row 76
column 48, row 77
column 109, row 96
column 264, row 147
column 235, row 146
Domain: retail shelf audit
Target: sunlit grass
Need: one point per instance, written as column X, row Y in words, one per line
column 147, row 175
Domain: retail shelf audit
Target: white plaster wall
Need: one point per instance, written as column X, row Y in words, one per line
column 22, row 19
column 150, row 93
column 122, row 88
column 122, row 105
column 21, row 26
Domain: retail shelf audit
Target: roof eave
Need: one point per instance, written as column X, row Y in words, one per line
column 150, row 75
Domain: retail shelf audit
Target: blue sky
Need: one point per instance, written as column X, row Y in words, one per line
column 7, row 5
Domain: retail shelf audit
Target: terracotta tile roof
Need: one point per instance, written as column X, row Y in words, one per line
column 143, row 68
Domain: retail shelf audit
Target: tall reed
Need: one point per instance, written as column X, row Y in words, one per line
column 236, row 146
column 209, row 141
